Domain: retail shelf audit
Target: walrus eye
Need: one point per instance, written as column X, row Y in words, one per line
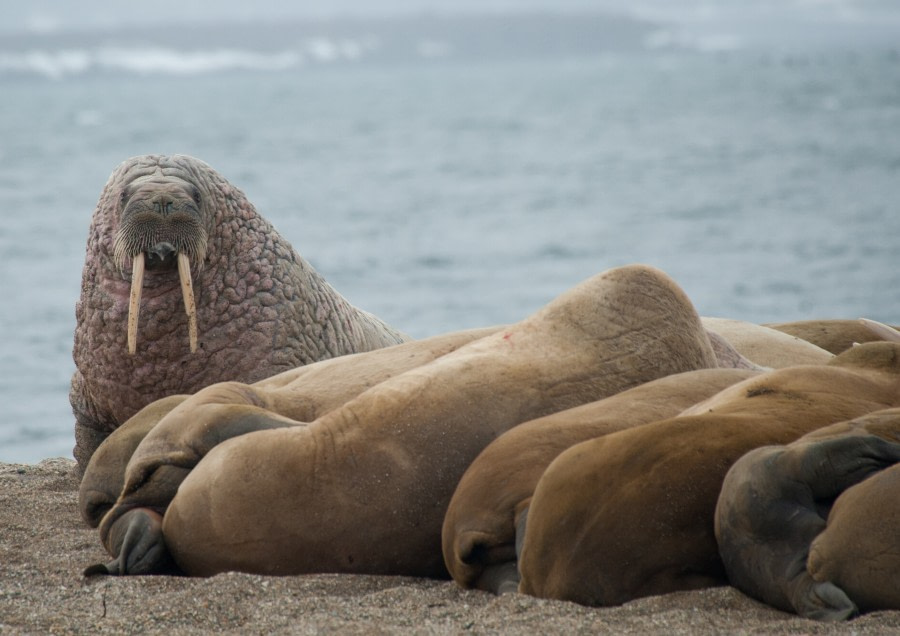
column 195, row 193
column 123, row 196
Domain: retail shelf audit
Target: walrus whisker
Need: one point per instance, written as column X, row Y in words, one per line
column 134, row 302
column 187, row 291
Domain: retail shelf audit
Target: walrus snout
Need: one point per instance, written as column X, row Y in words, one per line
column 160, row 217
column 161, row 255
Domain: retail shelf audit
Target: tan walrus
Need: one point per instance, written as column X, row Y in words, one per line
column 479, row 532
column 836, row 336
column 364, row 488
column 774, row 504
column 764, row 346
column 304, row 393
column 184, row 285
column 859, row 551
column 631, row 513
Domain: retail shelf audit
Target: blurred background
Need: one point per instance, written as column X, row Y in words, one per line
column 450, row 165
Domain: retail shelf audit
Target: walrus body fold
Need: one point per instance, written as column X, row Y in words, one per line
column 364, row 487
column 185, row 285
column 631, row 513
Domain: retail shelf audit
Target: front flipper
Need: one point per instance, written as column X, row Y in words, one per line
column 136, row 541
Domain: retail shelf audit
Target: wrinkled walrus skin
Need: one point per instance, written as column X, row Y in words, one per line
column 258, row 307
column 775, row 501
column 364, row 488
column 631, row 513
column 479, row 533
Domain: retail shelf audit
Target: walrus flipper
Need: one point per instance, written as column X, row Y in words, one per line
column 136, row 540
column 833, row 465
column 822, row 601
column 774, row 503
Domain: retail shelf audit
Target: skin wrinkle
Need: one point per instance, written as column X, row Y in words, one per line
column 257, row 302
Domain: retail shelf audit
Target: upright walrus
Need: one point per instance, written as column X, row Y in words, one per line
column 631, row 513
column 364, row 488
column 184, row 285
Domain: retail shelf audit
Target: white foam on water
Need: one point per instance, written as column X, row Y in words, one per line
column 145, row 60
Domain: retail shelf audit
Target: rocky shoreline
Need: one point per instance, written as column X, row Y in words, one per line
column 44, row 546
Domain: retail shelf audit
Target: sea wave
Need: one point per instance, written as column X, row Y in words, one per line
column 56, row 64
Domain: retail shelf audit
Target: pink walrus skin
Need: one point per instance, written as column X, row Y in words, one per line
column 185, row 285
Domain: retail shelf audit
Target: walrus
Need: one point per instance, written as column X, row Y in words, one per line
column 305, row 393
column 764, row 346
column 775, row 501
column 837, row 336
column 184, row 285
column 857, row 551
column 479, row 531
column 364, row 487
column 631, row 513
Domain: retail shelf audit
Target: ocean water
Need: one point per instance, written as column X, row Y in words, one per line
column 462, row 193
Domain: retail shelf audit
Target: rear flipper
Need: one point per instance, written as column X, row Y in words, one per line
column 500, row 563
column 136, row 540
column 822, row 601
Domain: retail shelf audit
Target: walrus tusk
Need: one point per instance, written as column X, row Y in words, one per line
column 134, row 302
column 187, row 291
column 883, row 331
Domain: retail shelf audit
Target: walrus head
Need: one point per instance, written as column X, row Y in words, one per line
column 160, row 228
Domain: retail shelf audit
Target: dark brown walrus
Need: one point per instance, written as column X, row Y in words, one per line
column 631, row 514
column 479, row 533
column 184, row 285
column 774, row 504
column 365, row 487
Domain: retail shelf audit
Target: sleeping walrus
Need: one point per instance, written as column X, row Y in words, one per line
column 364, row 487
column 480, row 527
column 184, row 285
column 631, row 513
column 304, row 394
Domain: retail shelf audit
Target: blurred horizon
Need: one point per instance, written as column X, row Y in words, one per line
column 725, row 24
column 50, row 39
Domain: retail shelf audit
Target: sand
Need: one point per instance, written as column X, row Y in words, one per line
column 45, row 546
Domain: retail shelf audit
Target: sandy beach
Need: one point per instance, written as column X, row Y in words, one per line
column 44, row 546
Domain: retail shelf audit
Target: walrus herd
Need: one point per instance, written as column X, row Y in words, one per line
column 235, row 413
